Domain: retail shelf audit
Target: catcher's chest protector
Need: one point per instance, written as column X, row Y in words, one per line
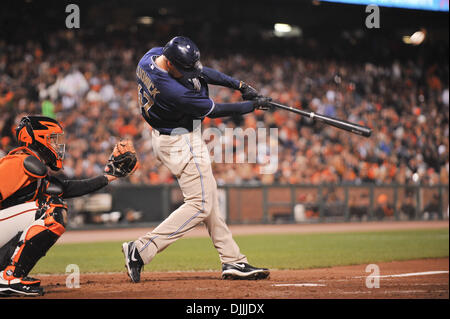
column 20, row 177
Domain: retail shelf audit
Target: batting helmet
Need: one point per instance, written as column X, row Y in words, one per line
column 43, row 135
column 184, row 54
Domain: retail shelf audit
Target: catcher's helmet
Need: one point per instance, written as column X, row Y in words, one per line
column 184, row 54
column 43, row 135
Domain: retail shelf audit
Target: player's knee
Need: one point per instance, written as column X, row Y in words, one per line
column 203, row 204
column 196, row 204
column 208, row 206
column 54, row 214
column 56, row 220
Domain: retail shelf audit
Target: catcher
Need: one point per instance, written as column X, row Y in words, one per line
column 33, row 212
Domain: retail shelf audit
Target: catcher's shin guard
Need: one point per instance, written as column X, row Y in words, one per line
column 37, row 239
column 8, row 250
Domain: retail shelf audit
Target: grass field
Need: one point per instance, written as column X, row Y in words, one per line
column 281, row 251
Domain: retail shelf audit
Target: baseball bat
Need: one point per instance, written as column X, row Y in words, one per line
column 341, row 124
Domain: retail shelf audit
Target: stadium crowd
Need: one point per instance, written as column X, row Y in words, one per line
column 90, row 88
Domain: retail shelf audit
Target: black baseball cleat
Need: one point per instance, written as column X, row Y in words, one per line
column 30, row 281
column 16, row 288
column 243, row 271
column 133, row 261
column 13, row 286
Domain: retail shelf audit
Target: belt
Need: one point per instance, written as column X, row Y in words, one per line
column 147, row 119
column 158, row 132
column 162, row 133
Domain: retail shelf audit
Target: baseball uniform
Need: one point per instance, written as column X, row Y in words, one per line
column 174, row 109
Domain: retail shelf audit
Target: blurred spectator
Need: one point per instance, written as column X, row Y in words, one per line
column 358, row 205
column 433, row 210
column 89, row 87
column 383, row 207
column 408, row 203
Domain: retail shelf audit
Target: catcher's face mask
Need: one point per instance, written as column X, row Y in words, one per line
column 57, row 142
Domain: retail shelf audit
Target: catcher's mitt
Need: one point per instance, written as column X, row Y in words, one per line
column 123, row 160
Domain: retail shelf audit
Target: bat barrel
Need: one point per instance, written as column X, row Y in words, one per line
column 345, row 125
column 341, row 124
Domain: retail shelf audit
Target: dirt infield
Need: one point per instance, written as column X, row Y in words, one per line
column 427, row 278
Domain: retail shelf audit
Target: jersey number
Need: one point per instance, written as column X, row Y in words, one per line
column 145, row 102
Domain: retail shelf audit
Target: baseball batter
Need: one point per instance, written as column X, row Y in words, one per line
column 173, row 97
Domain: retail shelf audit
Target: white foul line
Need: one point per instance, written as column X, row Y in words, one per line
column 298, row 285
column 410, row 274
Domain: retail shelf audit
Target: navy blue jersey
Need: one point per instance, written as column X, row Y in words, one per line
column 165, row 102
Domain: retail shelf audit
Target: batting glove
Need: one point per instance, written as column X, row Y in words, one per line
column 262, row 103
column 248, row 92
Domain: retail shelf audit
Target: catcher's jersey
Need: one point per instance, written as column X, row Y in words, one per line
column 167, row 103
